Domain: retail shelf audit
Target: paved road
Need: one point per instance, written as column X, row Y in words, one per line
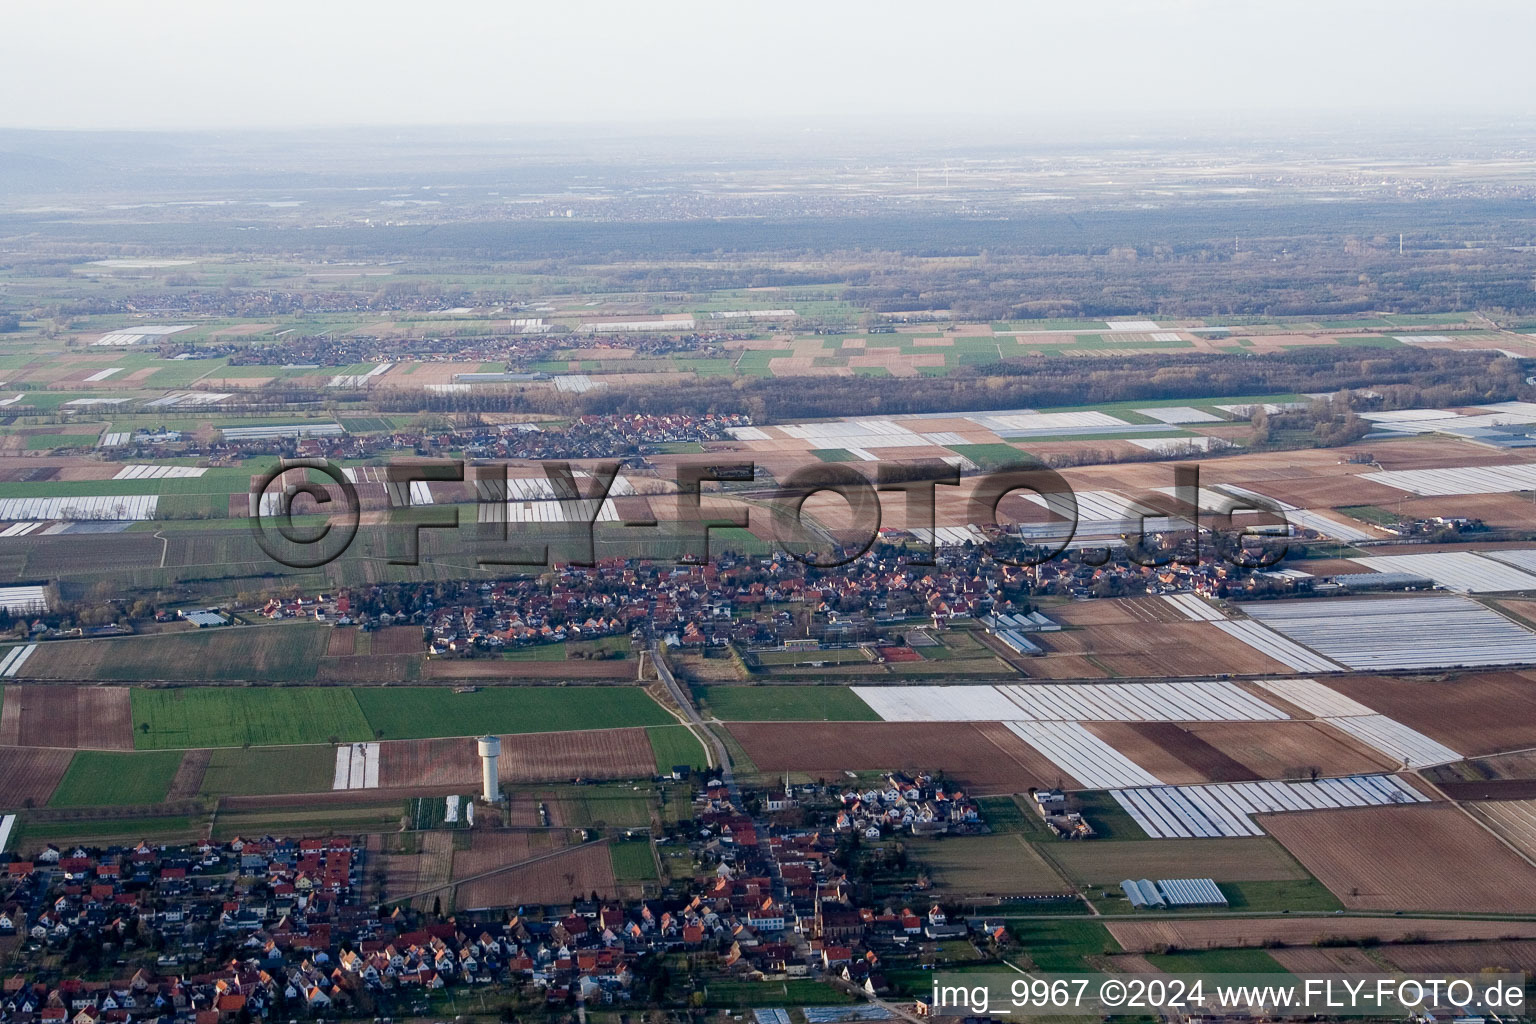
column 680, row 697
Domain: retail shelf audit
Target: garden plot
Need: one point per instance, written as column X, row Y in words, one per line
column 1090, row 702
column 1400, row 632
column 1225, row 809
column 1175, row 414
column 1083, row 755
column 1461, row 571
column 1400, row 742
column 357, row 766
column 1503, row 479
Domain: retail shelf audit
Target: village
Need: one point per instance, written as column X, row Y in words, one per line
column 269, row 927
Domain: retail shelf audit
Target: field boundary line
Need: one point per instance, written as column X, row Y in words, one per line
column 1458, row 804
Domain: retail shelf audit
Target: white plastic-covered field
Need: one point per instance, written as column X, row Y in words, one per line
column 1403, row 744
column 1520, row 558
column 14, row 658
column 1082, row 755
column 264, row 433
column 187, row 399
column 1045, row 422
column 1225, row 809
column 1400, row 742
column 1518, row 476
column 1284, row 650
column 1192, row 607
column 1177, row 444
column 357, row 766
column 89, row 508
column 24, row 600
column 1462, row 571
column 1325, row 525
column 1400, row 632
column 1180, row 414
column 1212, row 701
column 1315, row 698
column 148, row 472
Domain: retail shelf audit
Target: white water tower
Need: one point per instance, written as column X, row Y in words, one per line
column 490, row 751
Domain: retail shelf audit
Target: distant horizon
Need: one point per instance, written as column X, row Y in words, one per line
column 181, row 65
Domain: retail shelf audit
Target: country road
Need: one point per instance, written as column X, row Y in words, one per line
column 696, row 722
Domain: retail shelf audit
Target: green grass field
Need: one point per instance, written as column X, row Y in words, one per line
column 674, row 745
column 418, row 712
column 617, row 805
column 1061, row 946
column 739, row 993
column 258, row 770
column 44, row 442
column 632, row 861
column 31, row 836
column 1218, row 961
column 98, row 778
column 1297, row 895
column 785, row 704
column 233, row 717
column 991, row 456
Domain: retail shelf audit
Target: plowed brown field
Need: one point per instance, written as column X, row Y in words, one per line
column 1474, row 712
column 1279, row 750
column 30, row 775
column 986, row 757
column 1162, row 649
column 1172, row 752
column 1141, row 936
column 92, row 717
column 530, row 757
column 557, row 879
column 1408, row 857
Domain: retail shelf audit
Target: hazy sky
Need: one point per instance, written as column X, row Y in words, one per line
column 215, row 63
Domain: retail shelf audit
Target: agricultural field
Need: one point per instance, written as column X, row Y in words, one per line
column 405, row 712
column 674, row 745
column 1105, row 865
column 28, row 777
column 555, row 879
column 1454, row 709
column 633, row 861
column 987, row 758
column 99, row 778
column 525, row 758
column 1218, row 933
column 1398, row 858
column 285, row 653
column 768, row 703
column 253, row 771
column 225, row 717
column 67, row 716
column 599, row 806
column 999, row 865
